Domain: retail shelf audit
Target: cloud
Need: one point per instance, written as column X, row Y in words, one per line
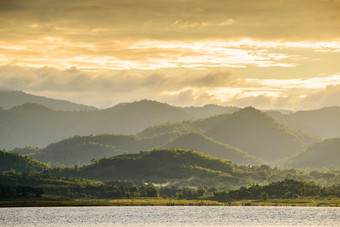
column 77, row 80
column 188, row 97
column 264, row 19
column 329, row 96
column 145, row 55
column 200, row 87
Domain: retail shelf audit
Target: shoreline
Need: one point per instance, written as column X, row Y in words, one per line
column 168, row 202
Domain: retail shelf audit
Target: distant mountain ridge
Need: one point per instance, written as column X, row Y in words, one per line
column 198, row 142
column 324, row 123
column 80, row 150
column 325, row 154
column 248, row 129
column 256, row 133
column 35, row 125
column 10, row 99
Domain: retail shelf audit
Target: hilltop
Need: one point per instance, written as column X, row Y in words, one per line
column 19, row 163
column 201, row 143
column 161, row 166
column 248, row 129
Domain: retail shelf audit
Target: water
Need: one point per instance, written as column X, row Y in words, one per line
column 170, row 216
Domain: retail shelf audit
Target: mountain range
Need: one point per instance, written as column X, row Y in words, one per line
column 324, row 123
column 32, row 124
column 245, row 136
column 325, row 154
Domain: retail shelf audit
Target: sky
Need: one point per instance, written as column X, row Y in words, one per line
column 270, row 54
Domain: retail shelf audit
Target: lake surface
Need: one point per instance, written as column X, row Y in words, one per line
column 170, row 216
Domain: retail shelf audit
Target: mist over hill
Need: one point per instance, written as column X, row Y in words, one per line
column 256, row 133
column 80, row 150
column 209, row 110
column 325, row 154
column 201, row 143
column 9, row 99
column 248, row 129
column 35, row 125
column 324, row 123
column 245, row 136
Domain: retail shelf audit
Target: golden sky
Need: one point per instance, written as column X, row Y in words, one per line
column 264, row 53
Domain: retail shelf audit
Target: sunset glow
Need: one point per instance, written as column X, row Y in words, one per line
column 219, row 52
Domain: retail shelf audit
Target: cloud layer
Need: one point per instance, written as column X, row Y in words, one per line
column 281, row 54
column 222, row 87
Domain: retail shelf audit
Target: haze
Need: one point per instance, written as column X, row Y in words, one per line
column 268, row 54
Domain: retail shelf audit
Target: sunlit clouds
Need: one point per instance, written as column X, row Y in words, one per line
column 150, row 55
column 269, row 54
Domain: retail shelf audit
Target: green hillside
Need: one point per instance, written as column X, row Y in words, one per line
column 201, row 143
column 161, row 166
column 19, row 163
column 177, row 167
column 325, row 154
column 176, row 129
column 81, row 150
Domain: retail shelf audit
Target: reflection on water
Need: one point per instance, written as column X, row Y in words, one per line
column 170, row 216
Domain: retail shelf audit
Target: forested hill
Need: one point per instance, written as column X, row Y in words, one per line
column 198, row 142
column 177, row 167
column 325, row 154
column 81, row 150
column 35, row 125
column 9, row 99
column 248, row 129
column 19, row 163
column 161, row 166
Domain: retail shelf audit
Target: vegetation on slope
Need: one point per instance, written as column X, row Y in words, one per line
column 19, row 163
column 288, row 188
column 248, row 129
column 81, row 150
column 256, row 133
column 201, row 143
column 161, row 166
column 209, row 110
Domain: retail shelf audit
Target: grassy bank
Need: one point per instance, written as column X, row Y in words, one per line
column 289, row 202
column 166, row 202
